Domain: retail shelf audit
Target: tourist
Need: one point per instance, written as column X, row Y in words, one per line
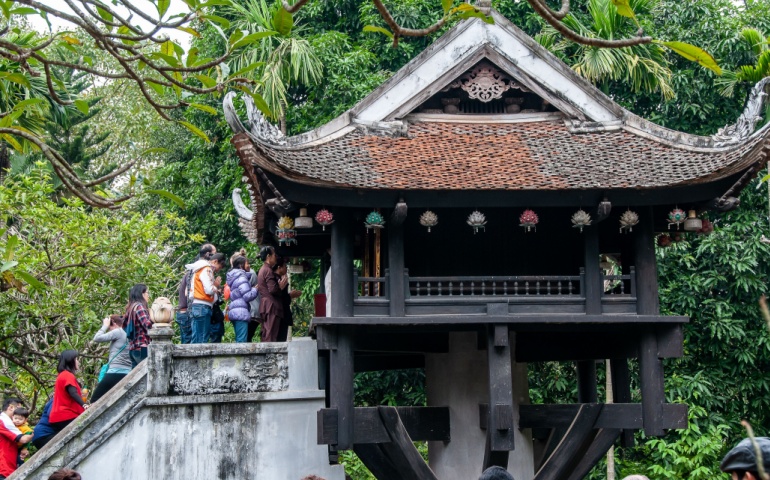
column 20, row 417
column 119, row 361
column 137, row 323
column 9, row 450
column 9, row 406
column 43, row 430
column 183, row 319
column 65, row 474
column 269, row 286
column 741, row 461
column 286, row 297
column 256, row 319
column 202, row 293
column 68, row 401
column 496, row 473
column 241, row 293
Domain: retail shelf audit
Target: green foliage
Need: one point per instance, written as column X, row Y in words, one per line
column 86, row 261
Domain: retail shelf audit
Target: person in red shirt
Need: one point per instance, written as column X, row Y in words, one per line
column 67, row 398
column 9, row 450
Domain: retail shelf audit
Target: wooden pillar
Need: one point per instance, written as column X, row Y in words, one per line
column 500, row 425
column 587, row 392
column 396, row 268
column 593, row 275
column 342, row 265
column 592, row 289
column 341, row 352
column 621, row 392
column 650, row 365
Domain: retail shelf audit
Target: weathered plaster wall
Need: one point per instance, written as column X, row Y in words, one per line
column 226, row 412
column 459, row 379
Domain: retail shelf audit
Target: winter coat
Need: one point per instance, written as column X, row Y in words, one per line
column 241, row 293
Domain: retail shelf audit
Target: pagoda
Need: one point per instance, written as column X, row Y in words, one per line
column 499, row 210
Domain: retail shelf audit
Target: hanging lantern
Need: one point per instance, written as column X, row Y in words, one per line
column 428, row 219
column 664, row 240
column 477, row 221
column 676, row 217
column 581, row 219
column 303, row 221
column 706, row 228
column 528, row 219
column 285, row 232
column 324, row 217
column 628, row 220
column 693, row 223
column 374, row 220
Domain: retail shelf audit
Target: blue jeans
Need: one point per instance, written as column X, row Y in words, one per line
column 241, row 331
column 201, row 323
column 185, row 326
column 217, row 332
column 137, row 356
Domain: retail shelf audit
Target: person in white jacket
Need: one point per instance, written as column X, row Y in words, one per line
column 203, row 290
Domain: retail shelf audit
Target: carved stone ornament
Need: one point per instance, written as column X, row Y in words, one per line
column 744, row 127
column 244, row 374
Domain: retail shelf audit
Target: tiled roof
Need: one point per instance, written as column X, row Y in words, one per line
column 517, row 156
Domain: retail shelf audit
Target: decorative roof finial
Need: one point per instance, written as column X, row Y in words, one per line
column 485, row 6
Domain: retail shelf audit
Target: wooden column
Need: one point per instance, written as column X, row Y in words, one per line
column 650, row 365
column 587, row 393
column 396, row 268
column 341, row 351
column 500, row 425
column 593, row 292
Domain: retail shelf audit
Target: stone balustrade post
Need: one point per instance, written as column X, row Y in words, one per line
column 159, row 360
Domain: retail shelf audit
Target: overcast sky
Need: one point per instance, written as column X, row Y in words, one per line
column 177, row 6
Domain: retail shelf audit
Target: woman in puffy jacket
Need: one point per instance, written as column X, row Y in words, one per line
column 241, row 293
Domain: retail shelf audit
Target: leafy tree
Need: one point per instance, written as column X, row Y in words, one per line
column 642, row 67
column 82, row 262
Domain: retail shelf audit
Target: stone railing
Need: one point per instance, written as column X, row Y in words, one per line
column 200, row 411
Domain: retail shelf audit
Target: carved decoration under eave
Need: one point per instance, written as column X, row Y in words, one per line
column 747, row 122
column 486, row 83
column 261, row 130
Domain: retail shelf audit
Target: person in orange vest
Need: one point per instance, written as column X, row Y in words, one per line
column 203, row 291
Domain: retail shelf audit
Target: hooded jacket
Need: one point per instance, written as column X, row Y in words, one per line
column 205, row 291
column 241, row 293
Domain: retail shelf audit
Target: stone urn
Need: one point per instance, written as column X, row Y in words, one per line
column 161, row 311
column 513, row 104
column 451, row 105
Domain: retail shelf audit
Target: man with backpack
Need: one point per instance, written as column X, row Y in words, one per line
column 183, row 317
column 202, row 293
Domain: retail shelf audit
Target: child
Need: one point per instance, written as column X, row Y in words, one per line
column 20, row 416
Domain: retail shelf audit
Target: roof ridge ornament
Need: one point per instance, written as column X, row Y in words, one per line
column 747, row 122
column 261, row 130
column 486, row 83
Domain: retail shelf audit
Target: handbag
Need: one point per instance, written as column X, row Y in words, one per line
column 106, row 366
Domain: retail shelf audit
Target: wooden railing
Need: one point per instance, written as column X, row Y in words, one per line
column 509, row 286
column 620, row 285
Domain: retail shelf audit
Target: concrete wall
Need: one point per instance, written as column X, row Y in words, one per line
column 459, row 379
column 230, row 412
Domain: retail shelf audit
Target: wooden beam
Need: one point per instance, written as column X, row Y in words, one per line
column 500, row 420
column 377, row 461
column 421, row 423
column 342, row 265
column 565, row 321
column 621, row 393
column 587, row 392
column 645, row 264
column 580, row 432
column 651, row 385
column 396, row 289
column 401, row 450
column 592, row 289
column 341, row 373
column 601, row 443
column 614, row 415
